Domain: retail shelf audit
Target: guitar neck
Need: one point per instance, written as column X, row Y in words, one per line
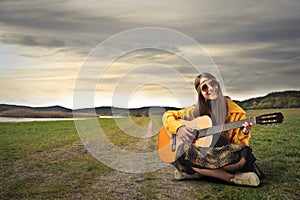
column 224, row 127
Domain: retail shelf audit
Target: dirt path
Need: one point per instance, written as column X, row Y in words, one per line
column 156, row 185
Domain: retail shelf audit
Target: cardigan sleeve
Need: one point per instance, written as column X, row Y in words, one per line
column 172, row 118
column 237, row 136
column 236, row 113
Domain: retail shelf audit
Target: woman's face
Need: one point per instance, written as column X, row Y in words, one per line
column 209, row 88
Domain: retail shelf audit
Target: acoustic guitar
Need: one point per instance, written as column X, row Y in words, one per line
column 204, row 131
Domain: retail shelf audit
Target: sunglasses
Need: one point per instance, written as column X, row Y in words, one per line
column 212, row 83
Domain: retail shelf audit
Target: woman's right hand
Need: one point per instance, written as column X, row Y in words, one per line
column 185, row 134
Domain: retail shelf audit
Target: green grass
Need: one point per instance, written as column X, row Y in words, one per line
column 46, row 160
column 43, row 159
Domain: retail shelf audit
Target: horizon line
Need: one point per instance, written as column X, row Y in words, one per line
column 45, row 106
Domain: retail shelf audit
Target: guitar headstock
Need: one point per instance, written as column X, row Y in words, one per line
column 271, row 118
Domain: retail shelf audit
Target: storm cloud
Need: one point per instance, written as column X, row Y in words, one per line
column 255, row 44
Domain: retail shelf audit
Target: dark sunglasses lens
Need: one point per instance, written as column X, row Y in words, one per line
column 204, row 88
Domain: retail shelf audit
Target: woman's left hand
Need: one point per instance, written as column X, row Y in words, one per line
column 247, row 127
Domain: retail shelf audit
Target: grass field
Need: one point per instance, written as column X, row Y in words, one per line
column 47, row 160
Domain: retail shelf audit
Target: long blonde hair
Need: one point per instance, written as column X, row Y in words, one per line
column 216, row 109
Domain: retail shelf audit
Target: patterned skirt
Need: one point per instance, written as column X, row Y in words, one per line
column 189, row 155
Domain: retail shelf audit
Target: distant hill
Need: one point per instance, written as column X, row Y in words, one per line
column 144, row 111
column 286, row 99
column 4, row 107
column 7, row 110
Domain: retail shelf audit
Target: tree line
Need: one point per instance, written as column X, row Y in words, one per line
column 287, row 99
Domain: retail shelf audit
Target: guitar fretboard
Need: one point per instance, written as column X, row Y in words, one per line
column 223, row 127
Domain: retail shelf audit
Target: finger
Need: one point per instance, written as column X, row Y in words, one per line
column 183, row 136
column 190, row 135
column 186, row 139
column 245, row 124
column 245, row 131
column 190, row 130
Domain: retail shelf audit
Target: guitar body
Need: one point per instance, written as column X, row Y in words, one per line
column 166, row 150
column 168, row 142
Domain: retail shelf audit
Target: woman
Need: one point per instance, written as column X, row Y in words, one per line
column 229, row 158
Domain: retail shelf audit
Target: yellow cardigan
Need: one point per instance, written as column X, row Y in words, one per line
column 172, row 121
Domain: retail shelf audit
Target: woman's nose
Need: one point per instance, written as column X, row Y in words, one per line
column 210, row 88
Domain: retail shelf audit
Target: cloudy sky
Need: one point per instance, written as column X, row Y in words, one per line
column 54, row 51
